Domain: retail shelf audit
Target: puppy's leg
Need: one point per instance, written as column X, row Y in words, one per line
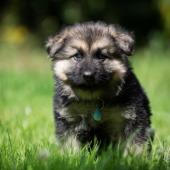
column 66, row 136
column 67, row 141
column 71, row 143
column 139, row 141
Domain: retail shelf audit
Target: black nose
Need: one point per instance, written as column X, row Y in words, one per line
column 88, row 75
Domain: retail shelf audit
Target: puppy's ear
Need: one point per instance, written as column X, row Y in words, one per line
column 125, row 42
column 123, row 39
column 54, row 44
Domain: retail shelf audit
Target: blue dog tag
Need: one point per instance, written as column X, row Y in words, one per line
column 97, row 115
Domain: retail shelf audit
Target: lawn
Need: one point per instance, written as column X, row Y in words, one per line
column 27, row 139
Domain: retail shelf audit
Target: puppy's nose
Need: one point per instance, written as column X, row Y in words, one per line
column 88, row 75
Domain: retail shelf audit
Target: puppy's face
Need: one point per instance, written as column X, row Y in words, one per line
column 90, row 55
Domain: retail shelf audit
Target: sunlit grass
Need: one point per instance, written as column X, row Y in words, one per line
column 27, row 139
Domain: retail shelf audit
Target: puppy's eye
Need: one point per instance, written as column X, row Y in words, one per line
column 100, row 56
column 77, row 56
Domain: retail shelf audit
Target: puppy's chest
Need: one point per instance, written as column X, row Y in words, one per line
column 96, row 115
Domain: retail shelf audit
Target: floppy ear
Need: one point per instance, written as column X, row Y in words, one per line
column 123, row 39
column 125, row 42
column 54, row 44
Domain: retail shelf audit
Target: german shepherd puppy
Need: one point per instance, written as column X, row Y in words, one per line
column 97, row 96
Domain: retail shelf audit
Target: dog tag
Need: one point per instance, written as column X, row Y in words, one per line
column 97, row 115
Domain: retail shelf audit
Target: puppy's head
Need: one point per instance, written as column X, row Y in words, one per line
column 90, row 55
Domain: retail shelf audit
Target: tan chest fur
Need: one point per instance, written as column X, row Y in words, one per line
column 112, row 117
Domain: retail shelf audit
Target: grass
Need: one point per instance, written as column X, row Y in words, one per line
column 27, row 138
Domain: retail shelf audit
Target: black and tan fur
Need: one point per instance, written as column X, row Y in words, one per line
column 91, row 69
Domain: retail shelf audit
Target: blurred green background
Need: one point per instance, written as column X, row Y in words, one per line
column 27, row 138
column 20, row 20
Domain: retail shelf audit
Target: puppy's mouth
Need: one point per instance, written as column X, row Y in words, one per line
column 89, row 83
column 89, row 86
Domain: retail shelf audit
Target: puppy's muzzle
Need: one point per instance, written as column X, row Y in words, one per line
column 88, row 76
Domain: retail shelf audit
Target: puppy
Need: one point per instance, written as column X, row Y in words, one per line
column 97, row 96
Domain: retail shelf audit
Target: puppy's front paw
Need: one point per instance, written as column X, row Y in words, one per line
column 70, row 145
